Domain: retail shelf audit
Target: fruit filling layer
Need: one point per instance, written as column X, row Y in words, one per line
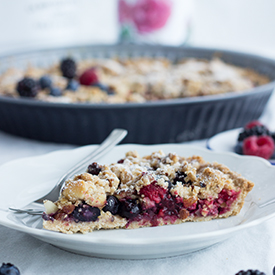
column 154, row 190
column 157, row 205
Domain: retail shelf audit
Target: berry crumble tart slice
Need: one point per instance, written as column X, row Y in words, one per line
column 154, row 190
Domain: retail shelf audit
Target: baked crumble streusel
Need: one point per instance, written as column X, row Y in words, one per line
column 154, row 190
column 127, row 80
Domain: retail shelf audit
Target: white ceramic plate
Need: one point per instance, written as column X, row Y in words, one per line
column 26, row 179
column 226, row 142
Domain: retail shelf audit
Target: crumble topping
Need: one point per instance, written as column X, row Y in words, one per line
column 133, row 80
column 153, row 190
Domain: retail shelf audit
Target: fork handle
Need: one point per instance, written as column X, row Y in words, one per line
column 111, row 141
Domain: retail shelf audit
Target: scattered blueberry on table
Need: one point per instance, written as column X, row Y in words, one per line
column 250, row 272
column 9, row 269
column 256, row 139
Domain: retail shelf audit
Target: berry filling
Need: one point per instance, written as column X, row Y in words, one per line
column 159, row 206
column 81, row 213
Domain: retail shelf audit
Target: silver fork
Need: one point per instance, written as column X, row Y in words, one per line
column 107, row 145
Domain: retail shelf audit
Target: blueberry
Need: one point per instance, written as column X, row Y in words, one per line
column 202, row 184
column 129, row 208
column 45, row 82
column 169, row 184
column 55, row 91
column 9, row 269
column 72, row 85
column 112, row 205
column 180, row 176
column 94, row 168
column 104, row 88
column 85, row 213
column 239, row 148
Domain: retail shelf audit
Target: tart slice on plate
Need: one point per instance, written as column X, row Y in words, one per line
column 153, row 190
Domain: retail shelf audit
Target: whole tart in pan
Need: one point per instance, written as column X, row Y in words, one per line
column 160, row 107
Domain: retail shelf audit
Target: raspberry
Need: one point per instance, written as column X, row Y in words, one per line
column 68, row 68
column 262, row 146
column 154, row 192
column 252, row 124
column 88, row 77
column 27, row 87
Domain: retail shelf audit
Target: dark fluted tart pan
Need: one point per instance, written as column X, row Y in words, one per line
column 162, row 121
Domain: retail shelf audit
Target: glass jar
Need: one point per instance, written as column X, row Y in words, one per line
column 166, row 22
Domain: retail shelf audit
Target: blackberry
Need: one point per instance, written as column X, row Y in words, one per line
column 68, row 68
column 27, row 87
column 94, row 168
column 111, row 205
column 250, row 272
column 258, row 130
column 9, row 269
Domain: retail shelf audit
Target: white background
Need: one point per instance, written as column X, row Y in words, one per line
column 247, row 25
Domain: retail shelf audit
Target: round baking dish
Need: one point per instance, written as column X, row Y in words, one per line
column 163, row 121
